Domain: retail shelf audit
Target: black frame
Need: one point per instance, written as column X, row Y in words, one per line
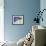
column 18, row 16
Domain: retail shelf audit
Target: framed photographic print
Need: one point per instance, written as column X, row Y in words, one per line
column 17, row 19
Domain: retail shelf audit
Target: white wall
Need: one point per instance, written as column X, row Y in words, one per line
column 43, row 6
column 1, row 20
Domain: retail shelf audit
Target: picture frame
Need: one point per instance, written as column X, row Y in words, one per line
column 18, row 19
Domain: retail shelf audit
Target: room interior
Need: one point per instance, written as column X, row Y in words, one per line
column 17, row 34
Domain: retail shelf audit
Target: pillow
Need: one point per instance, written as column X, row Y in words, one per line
column 10, row 43
column 21, row 42
column 28, row 39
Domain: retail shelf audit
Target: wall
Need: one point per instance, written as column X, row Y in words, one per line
column 19, row 7
column 1, row 20
column 43, row 6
